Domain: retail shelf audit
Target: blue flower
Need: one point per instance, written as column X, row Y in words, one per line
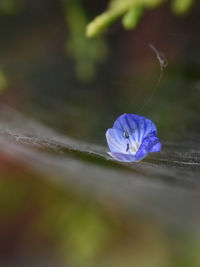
column 132, row 138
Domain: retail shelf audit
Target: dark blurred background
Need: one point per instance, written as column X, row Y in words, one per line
column 50, row 71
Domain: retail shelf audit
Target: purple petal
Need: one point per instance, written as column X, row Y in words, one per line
column 122, row 157
column 150, row 144
column 156, row 148
column 135, row 125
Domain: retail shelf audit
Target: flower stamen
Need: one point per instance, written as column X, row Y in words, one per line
column 127, row 148
column 125, row 134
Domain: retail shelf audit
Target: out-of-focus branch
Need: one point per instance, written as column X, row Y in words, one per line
column 130, row 11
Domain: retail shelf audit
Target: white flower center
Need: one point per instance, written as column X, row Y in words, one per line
column 132, row 148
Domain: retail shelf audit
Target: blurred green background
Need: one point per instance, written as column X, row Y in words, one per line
column 52, row 71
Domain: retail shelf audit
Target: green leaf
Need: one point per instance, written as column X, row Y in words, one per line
column 180, row 7
column 117, row 9
column 131, row 18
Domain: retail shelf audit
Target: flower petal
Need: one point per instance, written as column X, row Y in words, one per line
column 150, row 144
column 156, row 148
column 115, row 140
column 122, row 157
column 135, row 125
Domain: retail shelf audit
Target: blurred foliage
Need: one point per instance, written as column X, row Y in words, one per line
column 85, row 52
column 179, row 7
column 130, row 11
column 131, row 18
column 3, row 81
column 41, row 216
column 80, row 227
column 10, row 7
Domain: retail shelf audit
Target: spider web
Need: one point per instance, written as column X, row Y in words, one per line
column 164, row 186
